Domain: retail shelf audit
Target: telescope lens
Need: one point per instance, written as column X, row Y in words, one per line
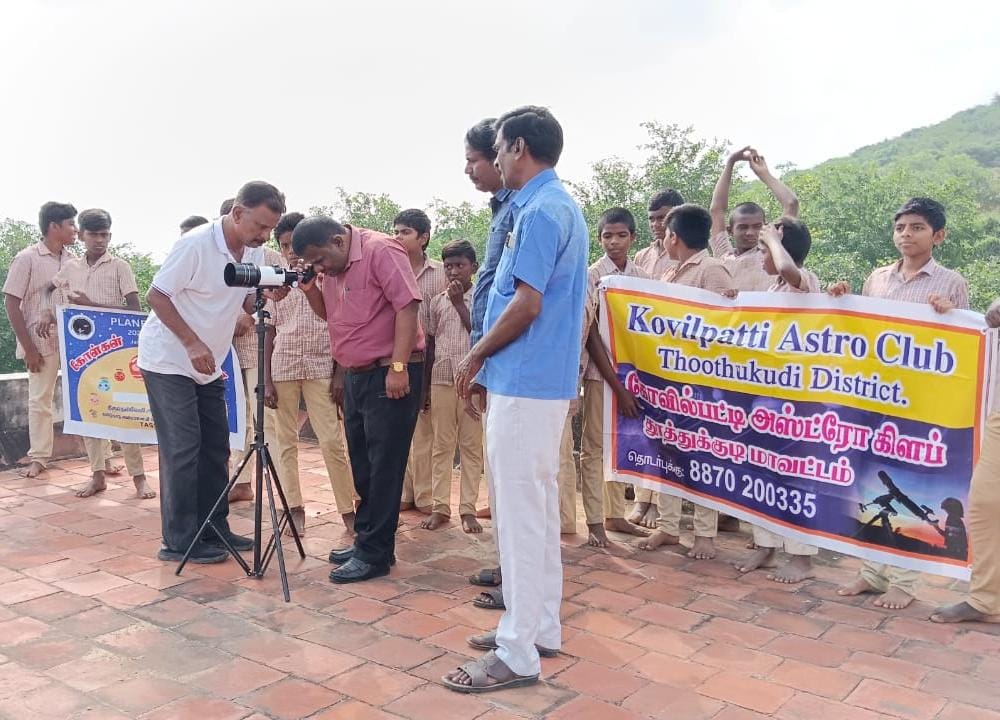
column 241, row 275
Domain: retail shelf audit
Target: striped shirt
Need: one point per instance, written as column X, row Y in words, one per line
column 452, row 341
column 246, row 344
column 432, row 281
column 746, row 267
column 301, row 341
column 602, row 268
column 28, row 277
column 808, row 283
column 654, row 260
column 701, row 270
column 107, row 282
column 932, row 279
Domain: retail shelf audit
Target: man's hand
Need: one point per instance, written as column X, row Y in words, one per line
column 771, row 234
column 270, row 395
column 465, row 373
column 940, row 303
column 33, row 359
column 740, row 155
column 628, row 405
column 337, row 391
column 244, row 324
column 456, row 293
column 201, row 357
column 44, row 327
column 397, row 384
column 758, row 165
column 839, row 289
column 475, row 401
column 78, row 297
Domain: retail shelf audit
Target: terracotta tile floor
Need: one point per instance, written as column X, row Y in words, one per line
column 93, row 626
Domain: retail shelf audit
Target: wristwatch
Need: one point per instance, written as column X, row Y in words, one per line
column 398, row 367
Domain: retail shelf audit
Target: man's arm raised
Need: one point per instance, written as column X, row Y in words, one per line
column 782, row 193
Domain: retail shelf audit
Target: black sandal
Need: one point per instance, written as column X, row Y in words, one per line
column 490, row 577
column 490, row 599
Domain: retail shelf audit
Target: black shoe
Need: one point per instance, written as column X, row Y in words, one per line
column 203, row 554
column 239, row 542
column 356, row 570
column 339, row 557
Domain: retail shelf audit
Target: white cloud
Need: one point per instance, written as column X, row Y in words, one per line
column 160, row 110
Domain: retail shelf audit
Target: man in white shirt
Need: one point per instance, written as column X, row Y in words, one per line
column 181, row 348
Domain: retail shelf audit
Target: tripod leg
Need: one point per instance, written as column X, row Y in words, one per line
column 284, row 503
column 276, row 538
column 208, row 521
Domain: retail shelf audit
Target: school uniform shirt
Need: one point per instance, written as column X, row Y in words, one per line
column 431, row 280
column 362, row 301
column 602, row 268
column 107, row 282
column 452, row 341
column 301, row 348
column 701, row 270
column 747, row 267
column 192, row 277
column 547, row 250
column 246, row 344
column 932, row 279
column 501, row 224
column 28, row 277
column 654, row 260
column 808, row 283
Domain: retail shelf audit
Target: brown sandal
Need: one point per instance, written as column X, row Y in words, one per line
column 490, row 599
column 488, row 641
column 482, row 670
column 490, row 577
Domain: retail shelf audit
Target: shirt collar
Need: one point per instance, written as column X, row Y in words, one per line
column 355, row 253
column 929, row 268
column 502, row 194
column 105, row 258
column 607, row 266
column 43, row 249
column 219, row 236
column 522, row 196
column 694, row 259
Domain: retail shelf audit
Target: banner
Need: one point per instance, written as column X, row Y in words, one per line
column 849, row 423
column 102, row 388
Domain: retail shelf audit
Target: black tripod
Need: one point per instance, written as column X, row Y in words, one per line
column 264, row 466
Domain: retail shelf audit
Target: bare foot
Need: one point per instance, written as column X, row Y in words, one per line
column 142, row 490
column 624, row 526
column 797, row 569
column 97, row 484
column 348, row 519
column 241, row 492
column 434, row 521
column 638, row 510
column 761, row 557
column 727, row 523
column 859, row 587
column 485, row 513
column 470, row 524
column 651, row 517
column 33, row 470
column 703, row 549
column 425, row 509
column 751, row 545
column 406, row 505
column 962, row 612
column 596, row 537
column 296, row 515
column 113, row 468
column 893, row 599
column 657, row 539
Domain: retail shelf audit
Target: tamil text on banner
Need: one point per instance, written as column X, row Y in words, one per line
column 850, row 423
column 102, row 388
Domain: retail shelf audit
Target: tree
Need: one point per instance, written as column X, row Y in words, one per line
column 374, row 211
column 459, row 222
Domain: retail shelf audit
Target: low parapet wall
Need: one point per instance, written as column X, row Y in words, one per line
column 14, row 422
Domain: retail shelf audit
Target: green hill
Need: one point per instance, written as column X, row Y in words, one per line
column 974, row 132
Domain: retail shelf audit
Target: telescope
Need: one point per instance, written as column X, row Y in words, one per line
column 265, row 276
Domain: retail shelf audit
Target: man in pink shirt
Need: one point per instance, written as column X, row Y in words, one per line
column 367, row 294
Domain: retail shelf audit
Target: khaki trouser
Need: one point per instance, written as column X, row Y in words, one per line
column 99, row 452
column 250, row 398
column 592, row 460
column 706, row 522
column 767, row 539
column 984, row 510
column 329, row 431
column 567, row 480
column 644, row 495
column 452, row 427
column 41, row 392
column 417, row 479
column 883, row 577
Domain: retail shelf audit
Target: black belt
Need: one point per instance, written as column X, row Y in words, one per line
column 385, row 362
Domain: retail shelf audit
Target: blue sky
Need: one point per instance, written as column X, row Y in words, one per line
column 159, row 110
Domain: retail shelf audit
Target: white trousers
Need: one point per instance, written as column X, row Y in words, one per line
column 522, row 450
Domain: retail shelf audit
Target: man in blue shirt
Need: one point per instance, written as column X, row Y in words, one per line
column 528, row 361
